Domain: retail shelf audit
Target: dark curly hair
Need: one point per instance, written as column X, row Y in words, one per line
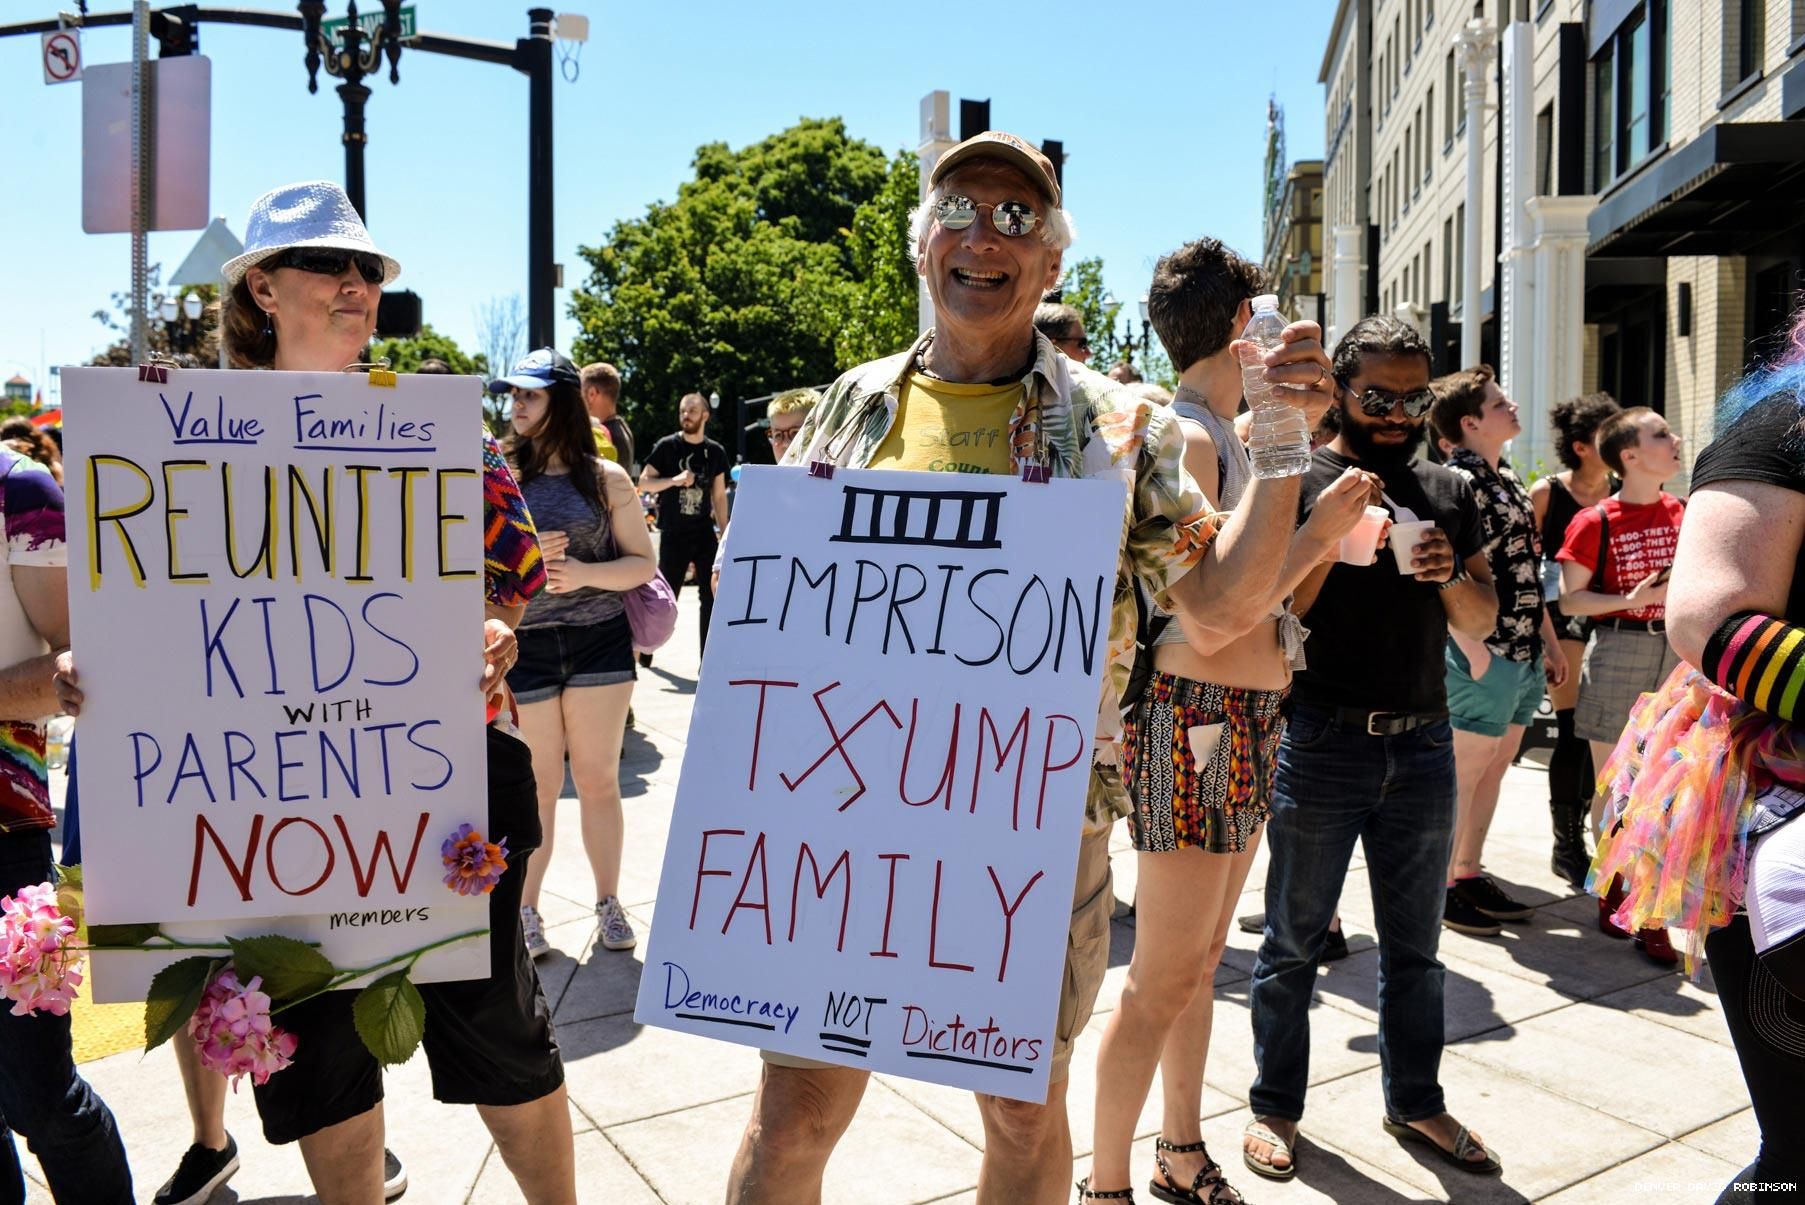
column 1196, row 292
column 1380, row 335
column 1577, row 420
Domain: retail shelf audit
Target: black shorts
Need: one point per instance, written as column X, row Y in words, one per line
column 488, row 1041
column 1569, row 627
column 559, row 656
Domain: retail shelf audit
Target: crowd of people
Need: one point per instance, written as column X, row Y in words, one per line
column 1267, row 679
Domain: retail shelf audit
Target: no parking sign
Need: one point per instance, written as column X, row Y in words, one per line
column 62, row 56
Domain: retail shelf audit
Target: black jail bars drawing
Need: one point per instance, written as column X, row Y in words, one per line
column 940, row 518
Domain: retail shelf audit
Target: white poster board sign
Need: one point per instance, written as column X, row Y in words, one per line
column 276, row 594
column 876, row 828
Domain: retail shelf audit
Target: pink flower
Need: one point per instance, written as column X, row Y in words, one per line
column 234, row 1034
column 472, row 866
column 38, row 970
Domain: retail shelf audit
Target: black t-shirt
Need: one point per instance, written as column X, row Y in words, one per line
column 1377, row 635
column 687, row 507
column 1766, row 444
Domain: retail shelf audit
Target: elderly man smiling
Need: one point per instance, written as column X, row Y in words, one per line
column 988, row 241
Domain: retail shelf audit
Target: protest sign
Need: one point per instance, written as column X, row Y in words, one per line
column 875, row 836
column 275, row 592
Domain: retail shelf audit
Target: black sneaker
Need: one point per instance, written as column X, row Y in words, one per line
column 201, row 1171
column 1253, row 922
column 1334, row 946
column 1483, row 894
column 394, row 1176
column 1460, row 916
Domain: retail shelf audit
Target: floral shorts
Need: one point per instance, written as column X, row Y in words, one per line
column 1201, row 761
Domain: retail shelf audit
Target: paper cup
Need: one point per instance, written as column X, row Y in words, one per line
column 1403, row 541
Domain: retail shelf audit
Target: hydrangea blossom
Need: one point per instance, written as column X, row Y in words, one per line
column 472, row 866
column 38, row 970
column 234, row 1034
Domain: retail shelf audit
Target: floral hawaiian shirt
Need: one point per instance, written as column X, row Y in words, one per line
column 1513, row 548
column 31, row 511
column 1077, row 423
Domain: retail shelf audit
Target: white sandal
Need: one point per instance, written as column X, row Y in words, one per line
column 1261, row 1132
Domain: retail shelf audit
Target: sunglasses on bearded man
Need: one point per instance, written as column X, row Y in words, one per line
column 1377, row 403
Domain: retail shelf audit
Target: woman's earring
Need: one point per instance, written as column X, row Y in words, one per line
column 267, row 328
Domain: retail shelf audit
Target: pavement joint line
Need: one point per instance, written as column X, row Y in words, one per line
column 628, row 1160
column 480, row 1169
column 931, row 1116
column 1509, row 1073
column 699, row 1104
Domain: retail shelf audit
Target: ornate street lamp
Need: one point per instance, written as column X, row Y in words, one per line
column 358, row 55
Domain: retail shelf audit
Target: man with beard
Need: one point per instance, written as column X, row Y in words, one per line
column 688, row 472
column 1368, row 755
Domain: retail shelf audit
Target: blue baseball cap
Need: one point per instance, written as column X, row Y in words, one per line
column 539, row 370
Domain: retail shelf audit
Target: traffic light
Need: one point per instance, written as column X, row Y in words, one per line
column 398, row 315
column 177, row 30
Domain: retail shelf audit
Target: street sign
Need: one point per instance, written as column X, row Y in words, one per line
column 369, row 23
column 62, row 56
column 216, row 245
column 184, row 87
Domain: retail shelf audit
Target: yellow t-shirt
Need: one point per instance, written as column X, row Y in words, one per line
column 943, row 427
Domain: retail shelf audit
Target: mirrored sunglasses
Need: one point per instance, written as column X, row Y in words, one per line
column 329, row 261
column 1011, row 218
column 1377, row 403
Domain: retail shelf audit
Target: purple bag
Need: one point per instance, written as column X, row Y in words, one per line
column 651, row 613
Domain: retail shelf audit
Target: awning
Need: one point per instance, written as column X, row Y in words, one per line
column 1734, row 186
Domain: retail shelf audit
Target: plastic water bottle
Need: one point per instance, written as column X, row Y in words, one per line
column 1280, row 440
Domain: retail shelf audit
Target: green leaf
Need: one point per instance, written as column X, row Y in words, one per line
column 174, row 995
column 69, row 901
column 121, row 936
column 289, row 969
column 390, row 1018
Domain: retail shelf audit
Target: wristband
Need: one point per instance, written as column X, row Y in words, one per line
column 1760, row 660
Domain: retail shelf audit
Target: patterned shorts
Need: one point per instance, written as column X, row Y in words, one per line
column 1213, row 794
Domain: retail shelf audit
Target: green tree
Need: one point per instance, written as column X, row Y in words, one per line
column 740, row 284
column 191, row 344
column 406, row 355
column 1104, row 318
column 882, row 302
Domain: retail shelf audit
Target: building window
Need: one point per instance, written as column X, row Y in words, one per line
column 1428, row 13
column 1745, row 39
column 1422, row 277
column 1428, row 129
column 1409, row 159
column 1604, row 118
column 1631, row 93
column 1460, row 254
column 1447, row 260
column 1545, row 151
column 1401, row 42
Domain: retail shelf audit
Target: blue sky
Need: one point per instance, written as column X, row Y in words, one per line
column 1160, row 103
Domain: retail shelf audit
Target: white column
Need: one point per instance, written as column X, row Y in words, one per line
column 1473, row 46
column 936, row 140
column 1557, row 370
column 1516, row 282
column 1347, row 284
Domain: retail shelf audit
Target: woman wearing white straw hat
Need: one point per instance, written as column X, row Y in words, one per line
column 303, row 297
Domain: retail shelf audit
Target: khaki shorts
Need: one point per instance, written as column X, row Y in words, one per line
column 1086, row 956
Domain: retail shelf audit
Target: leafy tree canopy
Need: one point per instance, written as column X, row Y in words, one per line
column 776, row 266
column 406, row 355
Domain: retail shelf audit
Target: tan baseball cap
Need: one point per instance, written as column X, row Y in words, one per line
column 996, row 144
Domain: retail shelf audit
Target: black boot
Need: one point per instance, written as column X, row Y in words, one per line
column 1570, row 859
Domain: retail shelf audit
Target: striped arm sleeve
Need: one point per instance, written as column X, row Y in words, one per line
column 1760, row 660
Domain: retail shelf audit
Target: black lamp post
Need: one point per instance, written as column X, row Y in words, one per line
column 358, row 55
column 1127, row 343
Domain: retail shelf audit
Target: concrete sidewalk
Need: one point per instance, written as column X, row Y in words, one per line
column 1595, row 1074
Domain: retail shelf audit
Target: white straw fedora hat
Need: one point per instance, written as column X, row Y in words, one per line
column 315, row 213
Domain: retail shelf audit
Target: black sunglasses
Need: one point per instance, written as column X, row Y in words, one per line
column 329, row 261
column 1082, row 342
column 1377, row 403
column 1012, row 218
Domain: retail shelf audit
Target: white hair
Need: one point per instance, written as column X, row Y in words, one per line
column 1056, row 228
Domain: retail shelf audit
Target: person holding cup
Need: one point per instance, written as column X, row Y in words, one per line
column 1200, row 746
column 1368, row 756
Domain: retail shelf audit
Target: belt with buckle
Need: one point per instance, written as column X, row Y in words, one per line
column 1655, row 626
column 1385, row 723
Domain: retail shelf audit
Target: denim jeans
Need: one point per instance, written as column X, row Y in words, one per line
column 1396, row 796
column 67, row 1126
